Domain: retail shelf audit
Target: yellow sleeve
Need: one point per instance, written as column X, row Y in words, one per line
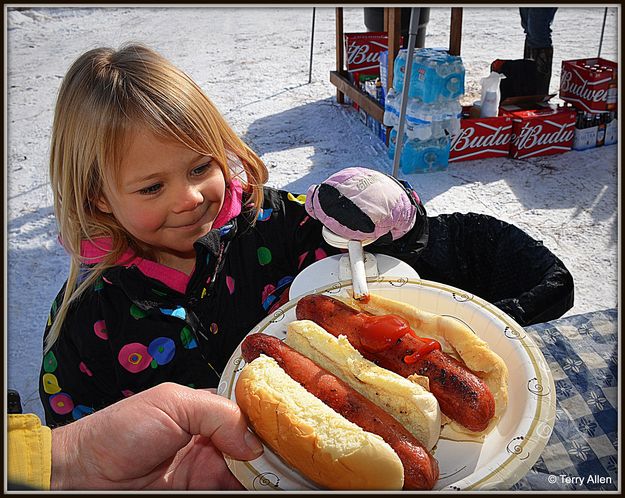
column 29, row 451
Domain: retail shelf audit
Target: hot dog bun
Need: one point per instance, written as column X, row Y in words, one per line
column 412, row 405
column 457, row 339
column 310, row 436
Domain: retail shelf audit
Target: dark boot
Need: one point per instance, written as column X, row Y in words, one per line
column 544, row 60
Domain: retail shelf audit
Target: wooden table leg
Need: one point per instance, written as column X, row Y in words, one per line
column 340, row 51
column 455, row 31
column 394, row 35
column 392, row 19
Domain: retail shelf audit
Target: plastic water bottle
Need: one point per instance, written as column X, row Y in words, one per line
column 438, row 129
column 452, row 75
column 399, row 70
column 425, row 82
column 436, row 76
column 392, row 106
column 418, row 120
column 448, row 115
column 392, row 142
column 421, row 79
column 455, row 115
column 409, row 155
column 423, row 156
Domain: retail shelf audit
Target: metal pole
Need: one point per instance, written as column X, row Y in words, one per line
column 605, row 14
column 312, row 39
column 412, row 34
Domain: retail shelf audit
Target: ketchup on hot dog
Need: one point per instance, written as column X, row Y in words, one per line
column 381, row 332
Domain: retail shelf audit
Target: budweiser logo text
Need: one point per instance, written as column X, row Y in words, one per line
column 467, row 139
column 580, row 88
column 362, row 51
column 531, row 136
column 481, row 138
column 361, row 54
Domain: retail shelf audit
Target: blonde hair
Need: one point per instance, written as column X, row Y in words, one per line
column 104, row 96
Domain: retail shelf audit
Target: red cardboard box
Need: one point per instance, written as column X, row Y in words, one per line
column 480, row 138
column 589, row 84
column 363, row 52
column 541, row 132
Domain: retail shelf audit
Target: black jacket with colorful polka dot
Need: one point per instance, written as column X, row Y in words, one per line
column 133, row 329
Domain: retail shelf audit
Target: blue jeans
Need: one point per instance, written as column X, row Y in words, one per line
column 536, row 22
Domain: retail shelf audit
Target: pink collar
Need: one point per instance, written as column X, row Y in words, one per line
column 232, row 204
column 95, row 250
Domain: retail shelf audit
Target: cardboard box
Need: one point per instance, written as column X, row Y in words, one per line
column 540, row 132
column 590, row 84
column 585, row 138
column 611, row 132
column 481, row 138
column 363, row 52
column 526, row 103
column 595, row 130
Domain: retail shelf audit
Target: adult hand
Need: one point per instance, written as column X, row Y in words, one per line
column 167, row 437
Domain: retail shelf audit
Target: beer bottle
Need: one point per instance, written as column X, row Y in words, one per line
column 612, row 96
column 600, row 123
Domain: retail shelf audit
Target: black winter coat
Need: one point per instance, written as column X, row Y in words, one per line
column 131, row 332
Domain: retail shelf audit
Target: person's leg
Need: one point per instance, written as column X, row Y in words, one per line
column 538, row 26
column 524, row 13
column 538, row 43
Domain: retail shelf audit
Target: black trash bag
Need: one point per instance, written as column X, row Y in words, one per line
column 522, row 78
column 498, row 262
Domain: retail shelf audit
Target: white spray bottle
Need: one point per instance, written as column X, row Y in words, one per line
column 491, row 95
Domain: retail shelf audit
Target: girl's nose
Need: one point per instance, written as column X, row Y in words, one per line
column 188, row 199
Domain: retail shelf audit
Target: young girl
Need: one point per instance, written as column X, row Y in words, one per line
column 177, row 248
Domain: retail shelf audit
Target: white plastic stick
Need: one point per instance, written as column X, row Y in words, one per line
column 356, row 260
column 359, row 275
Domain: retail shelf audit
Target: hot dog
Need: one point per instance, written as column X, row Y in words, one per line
column 419, row 468
column 389, row 337
column 411, row 404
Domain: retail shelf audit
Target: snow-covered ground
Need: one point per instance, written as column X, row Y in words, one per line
column 253, row 63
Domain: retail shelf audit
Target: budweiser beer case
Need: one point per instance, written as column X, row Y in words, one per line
column 363, row 52
column 517, row 132
column 590, row 84
column 540, row 132
column 481, row 138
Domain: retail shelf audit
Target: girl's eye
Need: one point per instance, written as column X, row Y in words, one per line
column 201, row 169
column 152, row 189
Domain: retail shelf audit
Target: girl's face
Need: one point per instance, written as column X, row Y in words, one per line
column 167, row 197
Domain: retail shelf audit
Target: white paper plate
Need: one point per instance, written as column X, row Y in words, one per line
column 508, row 452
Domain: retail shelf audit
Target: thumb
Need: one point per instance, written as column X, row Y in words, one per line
column 208, row 414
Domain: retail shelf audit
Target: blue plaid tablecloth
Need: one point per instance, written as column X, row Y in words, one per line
column 582, row 352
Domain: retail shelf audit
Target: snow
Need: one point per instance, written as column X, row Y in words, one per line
column 254, row 63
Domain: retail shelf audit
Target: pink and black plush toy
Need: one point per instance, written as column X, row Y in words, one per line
column 363, row 204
